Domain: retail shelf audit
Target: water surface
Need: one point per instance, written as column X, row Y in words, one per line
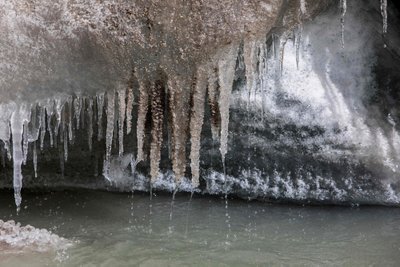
column 114, row 229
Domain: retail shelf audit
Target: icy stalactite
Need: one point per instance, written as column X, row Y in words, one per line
column 100, row 108
column 17, row 122
column 178, row 89
column 384, row 16
column 70, row 119
column 42, row 126
column 196, row 122
column 110, row 112
column 49, row 112
column 83, row 112
column 303, row 7
column 281, row 52
column 77, row 111
column 129, row 107
column 25, row 142
column 33, row 134
column 35, row 158
column 262, row 73
column 226, row 72
column 343, row 9
column 121, row 119
column 250, row 61
column 213, row 101
column 59, row 106
column 65, row 136
column 157, row 116
column 298, row 39
column 141, row 120
column 90, row 123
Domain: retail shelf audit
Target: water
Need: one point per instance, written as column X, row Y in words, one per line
column 113, row 229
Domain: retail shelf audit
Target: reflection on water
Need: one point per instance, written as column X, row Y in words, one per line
column 130, row 229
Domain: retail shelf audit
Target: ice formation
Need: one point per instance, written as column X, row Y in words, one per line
column 384, row 16
column 14, row 238
column 169, row 105
column 343, row 9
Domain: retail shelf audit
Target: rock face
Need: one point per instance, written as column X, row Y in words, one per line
column 50, row 47
column 241, row 97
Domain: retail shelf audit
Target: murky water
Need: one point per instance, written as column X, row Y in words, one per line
column 112, row 229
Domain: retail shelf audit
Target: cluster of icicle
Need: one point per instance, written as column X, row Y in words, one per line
column 60, row 118
column 343, row 10
column 212, row 82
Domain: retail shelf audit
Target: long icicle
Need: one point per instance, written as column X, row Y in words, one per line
column 49, row 116
column 100, row 107
column 35, row 159
column 343, row 9
column 110, row 112
column 17, row 132
column 226, row 67
column 42, row 126
column 141, row 120
column 384, row 16
column 298, row 40
column 157, row 116
column 249, row 55
column 303, row 8
column 196, row 123
column 77, row 111
column 25, row 142
column 121, row 120
column 178, row 103
column 90, row 123
column 129, row 107
column 213, row 102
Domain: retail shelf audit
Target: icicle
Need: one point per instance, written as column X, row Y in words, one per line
column 25, row 142
column 213, row 102
column 129, row 107
column 179, row 97
column 142, row 112
column 34, row 125
column 122, row 113
column 298, row 40
column 5, row 132
column 49, row 115
column 343, row 9
column 262, row 73
column 384, row 15
column 273, row 46
column 65, row 145
column 35, row 159
column 100, row 107
column 109, row 131
column 82, row 112
column 42, row 126
column 77, row 111
column 249, row 55
column 226, row 67
column 156, row 101
column 90, row 123
column 303, row 8
column 17, row 132
column 282, row 42
column 70, row 132
column 196, row 122
column 58, row 108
